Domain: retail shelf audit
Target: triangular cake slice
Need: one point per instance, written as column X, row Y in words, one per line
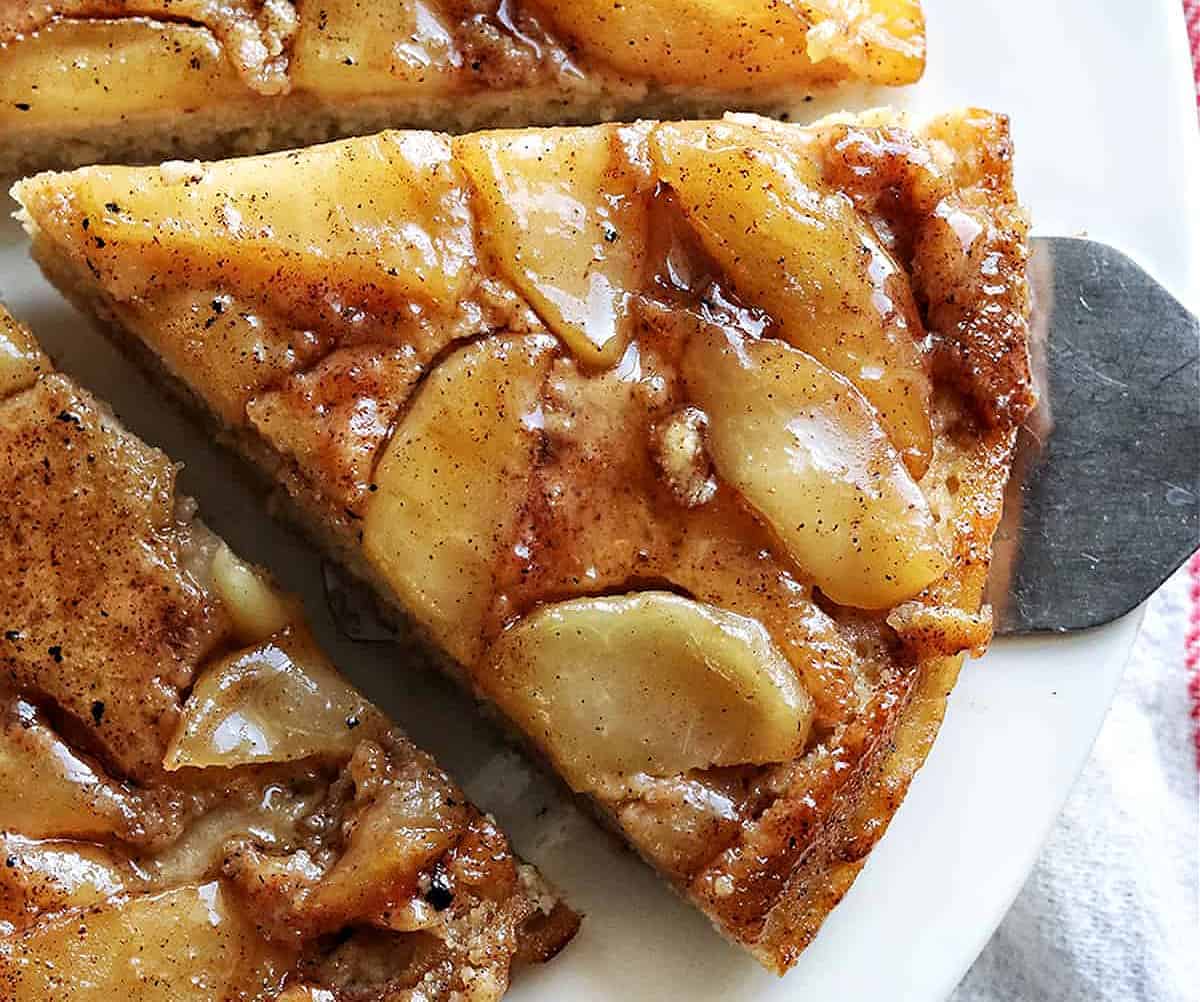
column 194, row 805
column 684, row 442
column 87, row 81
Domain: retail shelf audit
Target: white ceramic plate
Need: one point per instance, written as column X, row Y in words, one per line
column 1103, row 114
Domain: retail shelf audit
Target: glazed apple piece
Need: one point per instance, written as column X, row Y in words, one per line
column 277, row 701
column 257, row 39
column 369, row 48
column 396, row 224
column 60, row 791
column 560, row 216
column 882, row 41
column 704, row 43
column 51, row 875
column 807, row 450
column 257, row 610
column 646, row 683
column 204, row 946
column 799, row 250
column 20, row 358
column 81, row 69
column 405, row 825
column 451, row 481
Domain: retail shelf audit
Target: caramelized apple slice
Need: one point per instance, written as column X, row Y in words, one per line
column 193, row 938
column 51, row 875
column 82, row 69
column 807, row 450
column 706, row 43
column 20, row 358
column 59, row 791
column 558, row 215
column 800, row 251
column 275, row 702
column 451, row 483
column 405, row 824
column 396, row 223
column 258, row 610
column 647, row 683
column 372, row 48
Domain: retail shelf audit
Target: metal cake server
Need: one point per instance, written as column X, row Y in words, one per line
column 1105, row 498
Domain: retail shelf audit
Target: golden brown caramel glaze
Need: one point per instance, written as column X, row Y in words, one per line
column 193, row 804
column 21, row 360
column 650, row 421
column 87, row 81
column 359, row 390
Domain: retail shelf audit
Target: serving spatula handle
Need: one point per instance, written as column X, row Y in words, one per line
column 1105, row 498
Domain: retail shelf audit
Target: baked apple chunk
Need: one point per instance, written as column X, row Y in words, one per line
column 194, row 804
column 697, row 475
column 88, row 81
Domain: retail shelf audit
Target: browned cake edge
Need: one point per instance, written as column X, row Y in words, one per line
column 863, row 807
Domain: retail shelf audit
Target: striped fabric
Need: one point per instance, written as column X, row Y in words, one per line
column 1191, row 10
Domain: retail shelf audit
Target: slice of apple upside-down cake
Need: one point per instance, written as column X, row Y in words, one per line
column 684, row 442
column 97, row 81
column 194, row 805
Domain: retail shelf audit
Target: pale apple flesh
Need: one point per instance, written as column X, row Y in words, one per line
column 190, row 926
column 355, row 49
column 800, row 250
column 809, row 452
column 61, row 793
column 646, row 683
column 82, row 69
column 398, row 227
column 559, row 215
column 20, row 358
column 257, row 609
column 450, row 484
column 278, row 701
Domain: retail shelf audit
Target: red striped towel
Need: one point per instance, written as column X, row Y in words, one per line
column 1192, row 654
column 1191, row 9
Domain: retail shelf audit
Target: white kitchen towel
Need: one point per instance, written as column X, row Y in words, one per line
column 1110, row 912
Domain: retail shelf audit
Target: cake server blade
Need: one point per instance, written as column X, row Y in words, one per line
column 1104, row 501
